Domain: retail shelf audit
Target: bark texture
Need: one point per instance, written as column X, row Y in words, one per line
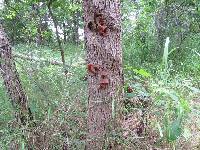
column 102, row 31
column 11, row 80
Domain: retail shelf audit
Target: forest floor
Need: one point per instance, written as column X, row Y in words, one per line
column 59, row 104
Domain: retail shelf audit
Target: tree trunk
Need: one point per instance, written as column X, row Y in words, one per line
column 161, row 24
column 11, row 80
column 64, row 33
column 102, row 29
column 75, row 27
column 36, row 14
column 62, row 52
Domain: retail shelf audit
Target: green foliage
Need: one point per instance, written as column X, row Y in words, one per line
column 168, row 72
column 27, row 20
column 174, row 130
column 49, row 92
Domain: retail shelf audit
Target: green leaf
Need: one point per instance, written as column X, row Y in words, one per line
column 166, row 53
column 142, row 72
column 49, row 113
column 23, row 145
column 159, row 129
column 185, row 105
column 173, row 96
column 187, row 133
column 174, row 130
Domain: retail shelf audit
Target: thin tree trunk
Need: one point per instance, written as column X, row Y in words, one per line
column 75, row 27
column 160, row 23
column 69, row 31
column 102, row 30
column 57, row 36
column 11, row 80
column 64, row 33
column 36, row 13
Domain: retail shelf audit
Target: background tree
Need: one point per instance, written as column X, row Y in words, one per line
column 34, row 21
column 12, row 82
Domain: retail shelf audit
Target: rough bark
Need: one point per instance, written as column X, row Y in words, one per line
column 11, row 80
column 102, row 29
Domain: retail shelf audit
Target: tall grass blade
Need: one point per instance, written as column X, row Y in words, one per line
column 166, row 53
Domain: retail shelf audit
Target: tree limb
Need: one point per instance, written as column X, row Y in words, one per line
column 41, row 60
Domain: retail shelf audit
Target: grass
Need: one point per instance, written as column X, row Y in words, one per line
column 59, row 103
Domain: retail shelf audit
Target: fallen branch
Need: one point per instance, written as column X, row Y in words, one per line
column 46, row 61
column 41, row 60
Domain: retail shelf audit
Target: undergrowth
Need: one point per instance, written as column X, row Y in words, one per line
column 59, row 102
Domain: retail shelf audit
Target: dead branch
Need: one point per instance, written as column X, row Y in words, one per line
column 41, row 60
